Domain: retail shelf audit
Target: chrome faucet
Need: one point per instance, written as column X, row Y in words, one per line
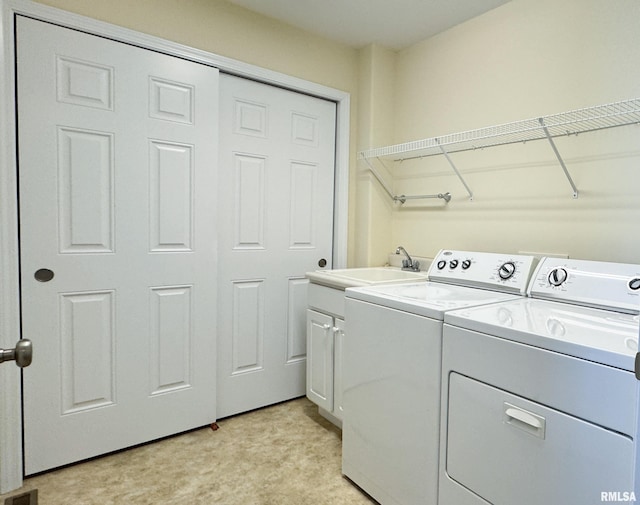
column 408, row 264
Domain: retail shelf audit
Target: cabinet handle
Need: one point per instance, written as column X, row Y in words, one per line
column 326, row 326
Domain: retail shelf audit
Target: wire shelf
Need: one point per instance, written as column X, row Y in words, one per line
column 567, row 123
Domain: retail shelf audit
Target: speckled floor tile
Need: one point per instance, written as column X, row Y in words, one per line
column 281, row 455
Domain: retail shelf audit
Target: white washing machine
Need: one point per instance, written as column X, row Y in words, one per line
column 392, row 370
column 539, row 396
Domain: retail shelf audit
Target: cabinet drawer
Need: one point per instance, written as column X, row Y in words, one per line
column 326, row 299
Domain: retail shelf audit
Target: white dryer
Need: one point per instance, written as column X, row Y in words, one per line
column 392, row 369
column 539, row 396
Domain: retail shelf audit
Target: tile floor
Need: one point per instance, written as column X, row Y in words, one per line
column 281, row 455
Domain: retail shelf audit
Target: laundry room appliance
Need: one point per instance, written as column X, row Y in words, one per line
column 539, row 396
column 392, row 369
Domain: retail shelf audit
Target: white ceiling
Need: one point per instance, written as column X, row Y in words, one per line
column 394, row 24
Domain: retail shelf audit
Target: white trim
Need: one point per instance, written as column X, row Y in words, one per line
column 341, row 190
column 10, row 409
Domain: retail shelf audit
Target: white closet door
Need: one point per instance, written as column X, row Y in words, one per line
column 277, row 165
column 117, row 157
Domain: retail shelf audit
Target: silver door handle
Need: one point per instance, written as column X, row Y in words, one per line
column 22, row 353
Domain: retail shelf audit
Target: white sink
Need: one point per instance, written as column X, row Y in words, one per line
column 352, row 277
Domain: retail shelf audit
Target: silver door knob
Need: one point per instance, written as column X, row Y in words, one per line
column 22, row 353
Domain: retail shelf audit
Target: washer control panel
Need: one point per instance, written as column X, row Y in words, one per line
column 499, row 272
column 600, row 284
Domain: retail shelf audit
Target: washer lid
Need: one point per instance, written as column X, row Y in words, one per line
column 603, row 336
column 430, row 299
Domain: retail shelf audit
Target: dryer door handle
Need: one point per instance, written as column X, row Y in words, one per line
column 524, row 420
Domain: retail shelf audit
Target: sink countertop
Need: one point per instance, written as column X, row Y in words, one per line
column 368, row 276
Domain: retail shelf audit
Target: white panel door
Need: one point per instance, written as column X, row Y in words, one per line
column 277, row 165
column 117, row 157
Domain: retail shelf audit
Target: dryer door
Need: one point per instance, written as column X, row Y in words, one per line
column 509, row 450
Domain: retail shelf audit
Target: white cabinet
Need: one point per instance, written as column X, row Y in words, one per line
column 325, row 328
column 325, row 335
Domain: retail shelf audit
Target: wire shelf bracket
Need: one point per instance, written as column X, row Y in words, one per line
column 560, row 160
column 455, row 169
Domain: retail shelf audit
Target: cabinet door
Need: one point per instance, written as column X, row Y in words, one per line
column 320, row 359
column 338, row 331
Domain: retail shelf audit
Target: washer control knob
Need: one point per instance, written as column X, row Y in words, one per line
column 507, row 270
column 557, row 276
column 441, row 264
column 453, row 263
column 634, row 284
column 466, row 264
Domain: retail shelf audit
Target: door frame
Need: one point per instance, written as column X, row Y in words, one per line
column 10, row 382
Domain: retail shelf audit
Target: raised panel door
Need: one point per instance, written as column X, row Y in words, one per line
column 117, row 156
column 275, row 206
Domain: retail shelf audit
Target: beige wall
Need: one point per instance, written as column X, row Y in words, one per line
column 373, row 209
column 523, row 60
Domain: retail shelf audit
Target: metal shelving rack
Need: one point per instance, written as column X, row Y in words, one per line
column 547, row 127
